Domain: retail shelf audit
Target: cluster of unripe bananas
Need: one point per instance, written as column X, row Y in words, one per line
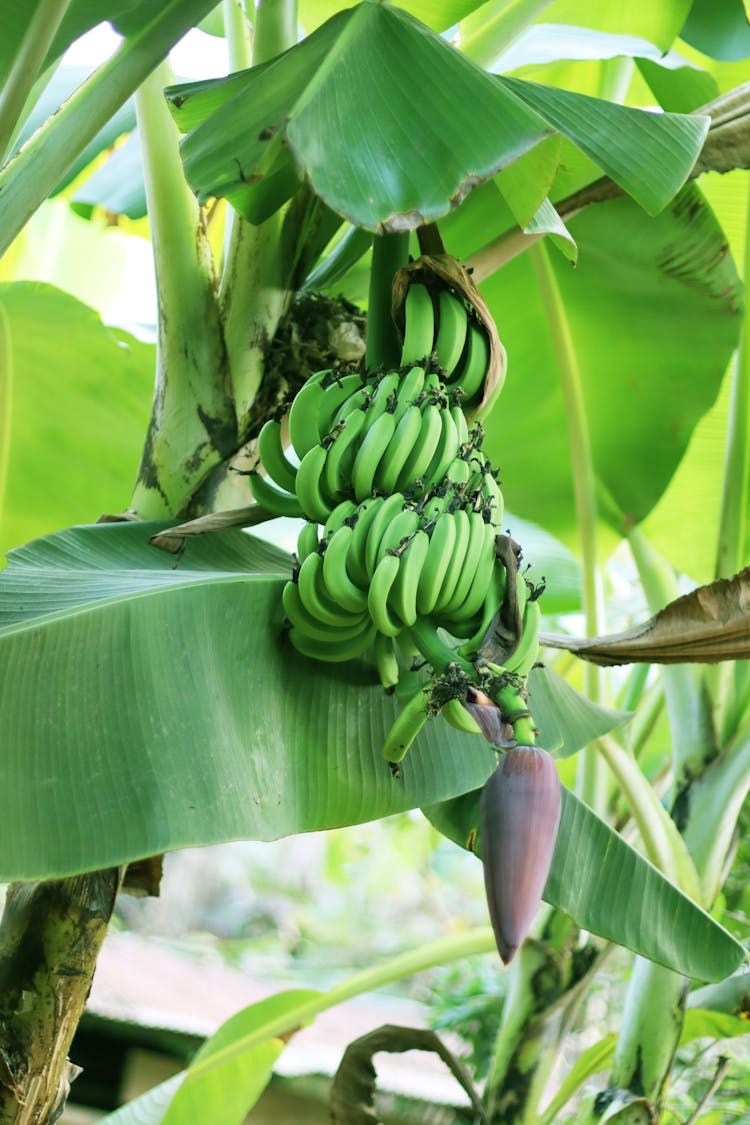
column 402, row 509
column 402, row 551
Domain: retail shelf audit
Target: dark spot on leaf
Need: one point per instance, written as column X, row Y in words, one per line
column 268, row 132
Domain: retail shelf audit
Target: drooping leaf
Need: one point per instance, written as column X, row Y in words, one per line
column 654, row 154
column 609, row 889
column 161, row 702
column 718, row 28
column 374, row 57
column 551, row 42
column 78, row 406
column 705, row 626
column 653, row 311
column 567, row 721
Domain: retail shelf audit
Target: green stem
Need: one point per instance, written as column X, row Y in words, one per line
column 389, row 253
column 441, row 952
column 590, row 780
column 238, row 34
column 27, row 64
column 252, row 291
column 716, row 799
column 484, row 37
column 693, row 740
column 193, row 424
column 6, row 401
column 274, row 28
column 732, row 524
column 32, row 174
column 664, row 845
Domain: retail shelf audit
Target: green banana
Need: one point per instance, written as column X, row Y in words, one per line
column 355, row 561
column 338, row 583
column 407, row 725
column 477, row 544
column 313, row 500
column 341, row 454
column 400, row 528
column 369, row 455
column 437, row 560
column 274, row 500
column 456, row 563
column 309, row 625
column 342, row 513
column 419, row 325
column 459, row 718
column 451, row 334
column 391, row 507
column 381, row 584
column 526, row 655
column 409, row 389
column 332, row 650
column 400, row 446
column 446, row 449
column 307, row 541
column 273, row 458
column 341, row 391
column 303, row 417
column 403, row 598
column 423, row 450
column 386, row 661
column 472, row 368
column 316, row 598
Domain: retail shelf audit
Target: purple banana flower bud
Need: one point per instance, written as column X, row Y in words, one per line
column 520, row 815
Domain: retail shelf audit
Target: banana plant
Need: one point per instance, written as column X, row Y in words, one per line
column 220, row 689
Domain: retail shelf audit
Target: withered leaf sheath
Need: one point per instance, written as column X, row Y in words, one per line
column 520, row 815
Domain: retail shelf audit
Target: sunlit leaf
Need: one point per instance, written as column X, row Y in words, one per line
column 78, row 405
column 653, row 311
column 374, row 57
column 718, row 28
column 118, row 185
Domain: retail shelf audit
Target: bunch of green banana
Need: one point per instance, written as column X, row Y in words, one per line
column 442, row 326
column 402, row 511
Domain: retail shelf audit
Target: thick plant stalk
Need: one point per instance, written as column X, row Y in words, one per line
column 193, row 424
column 649, row 1033
column 252, row 292
column 50, row 937
column 484, row 37
column 546, row 982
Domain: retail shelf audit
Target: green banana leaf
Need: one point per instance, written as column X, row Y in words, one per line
column 566, row 720
column 610, row 890
column 151, row 703
column 653, row 311
column 74, row 406
column 718, row 28
column 467, row 127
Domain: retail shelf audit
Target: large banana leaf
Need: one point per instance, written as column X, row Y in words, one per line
column 429, row 126
column 609, row 889
column 75, row 404
column 653, row 311
column 150, row 704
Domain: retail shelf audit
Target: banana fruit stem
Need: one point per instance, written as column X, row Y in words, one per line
column 389, row 253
